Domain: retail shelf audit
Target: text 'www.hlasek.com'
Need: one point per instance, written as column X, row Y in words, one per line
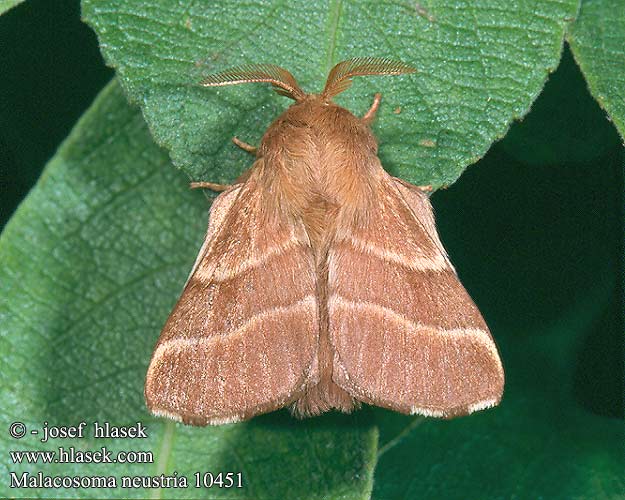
column 97, row 449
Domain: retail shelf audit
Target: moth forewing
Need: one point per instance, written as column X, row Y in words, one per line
column 322, row 282
column 241, row 338
column 406, row 333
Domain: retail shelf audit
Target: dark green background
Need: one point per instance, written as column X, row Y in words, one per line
column 535, row 227
column 51, row 71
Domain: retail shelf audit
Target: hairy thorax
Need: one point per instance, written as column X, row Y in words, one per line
column 319, row 167
column 323, row 165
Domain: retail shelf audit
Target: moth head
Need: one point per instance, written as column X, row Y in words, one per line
column 339, row 79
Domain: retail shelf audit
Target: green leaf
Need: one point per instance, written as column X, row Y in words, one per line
column 8, row 4
column 90, row 266
column 597, row 39
column 480, row 65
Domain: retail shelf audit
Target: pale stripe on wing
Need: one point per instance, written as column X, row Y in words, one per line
column 480, row 336
column 225, row 273
column 437, row 262
column 307, row 303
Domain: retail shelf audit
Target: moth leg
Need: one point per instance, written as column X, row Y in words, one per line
column 370, row 115
column 426, row 189
column 244, row 145
column 209, row 185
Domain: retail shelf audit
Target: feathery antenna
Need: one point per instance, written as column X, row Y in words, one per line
column 340, row 77
column 283, row 82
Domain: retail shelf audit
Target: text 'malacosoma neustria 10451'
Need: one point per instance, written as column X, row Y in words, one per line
column 322, row 282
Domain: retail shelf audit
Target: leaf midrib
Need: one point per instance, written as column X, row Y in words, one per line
column 334, row 14
column 164, row 454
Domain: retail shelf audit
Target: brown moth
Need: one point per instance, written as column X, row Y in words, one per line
column 322, row 282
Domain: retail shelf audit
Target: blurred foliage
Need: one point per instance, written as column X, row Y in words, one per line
column 8, row 4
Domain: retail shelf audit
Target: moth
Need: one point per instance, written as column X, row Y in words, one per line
column 322, row 282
